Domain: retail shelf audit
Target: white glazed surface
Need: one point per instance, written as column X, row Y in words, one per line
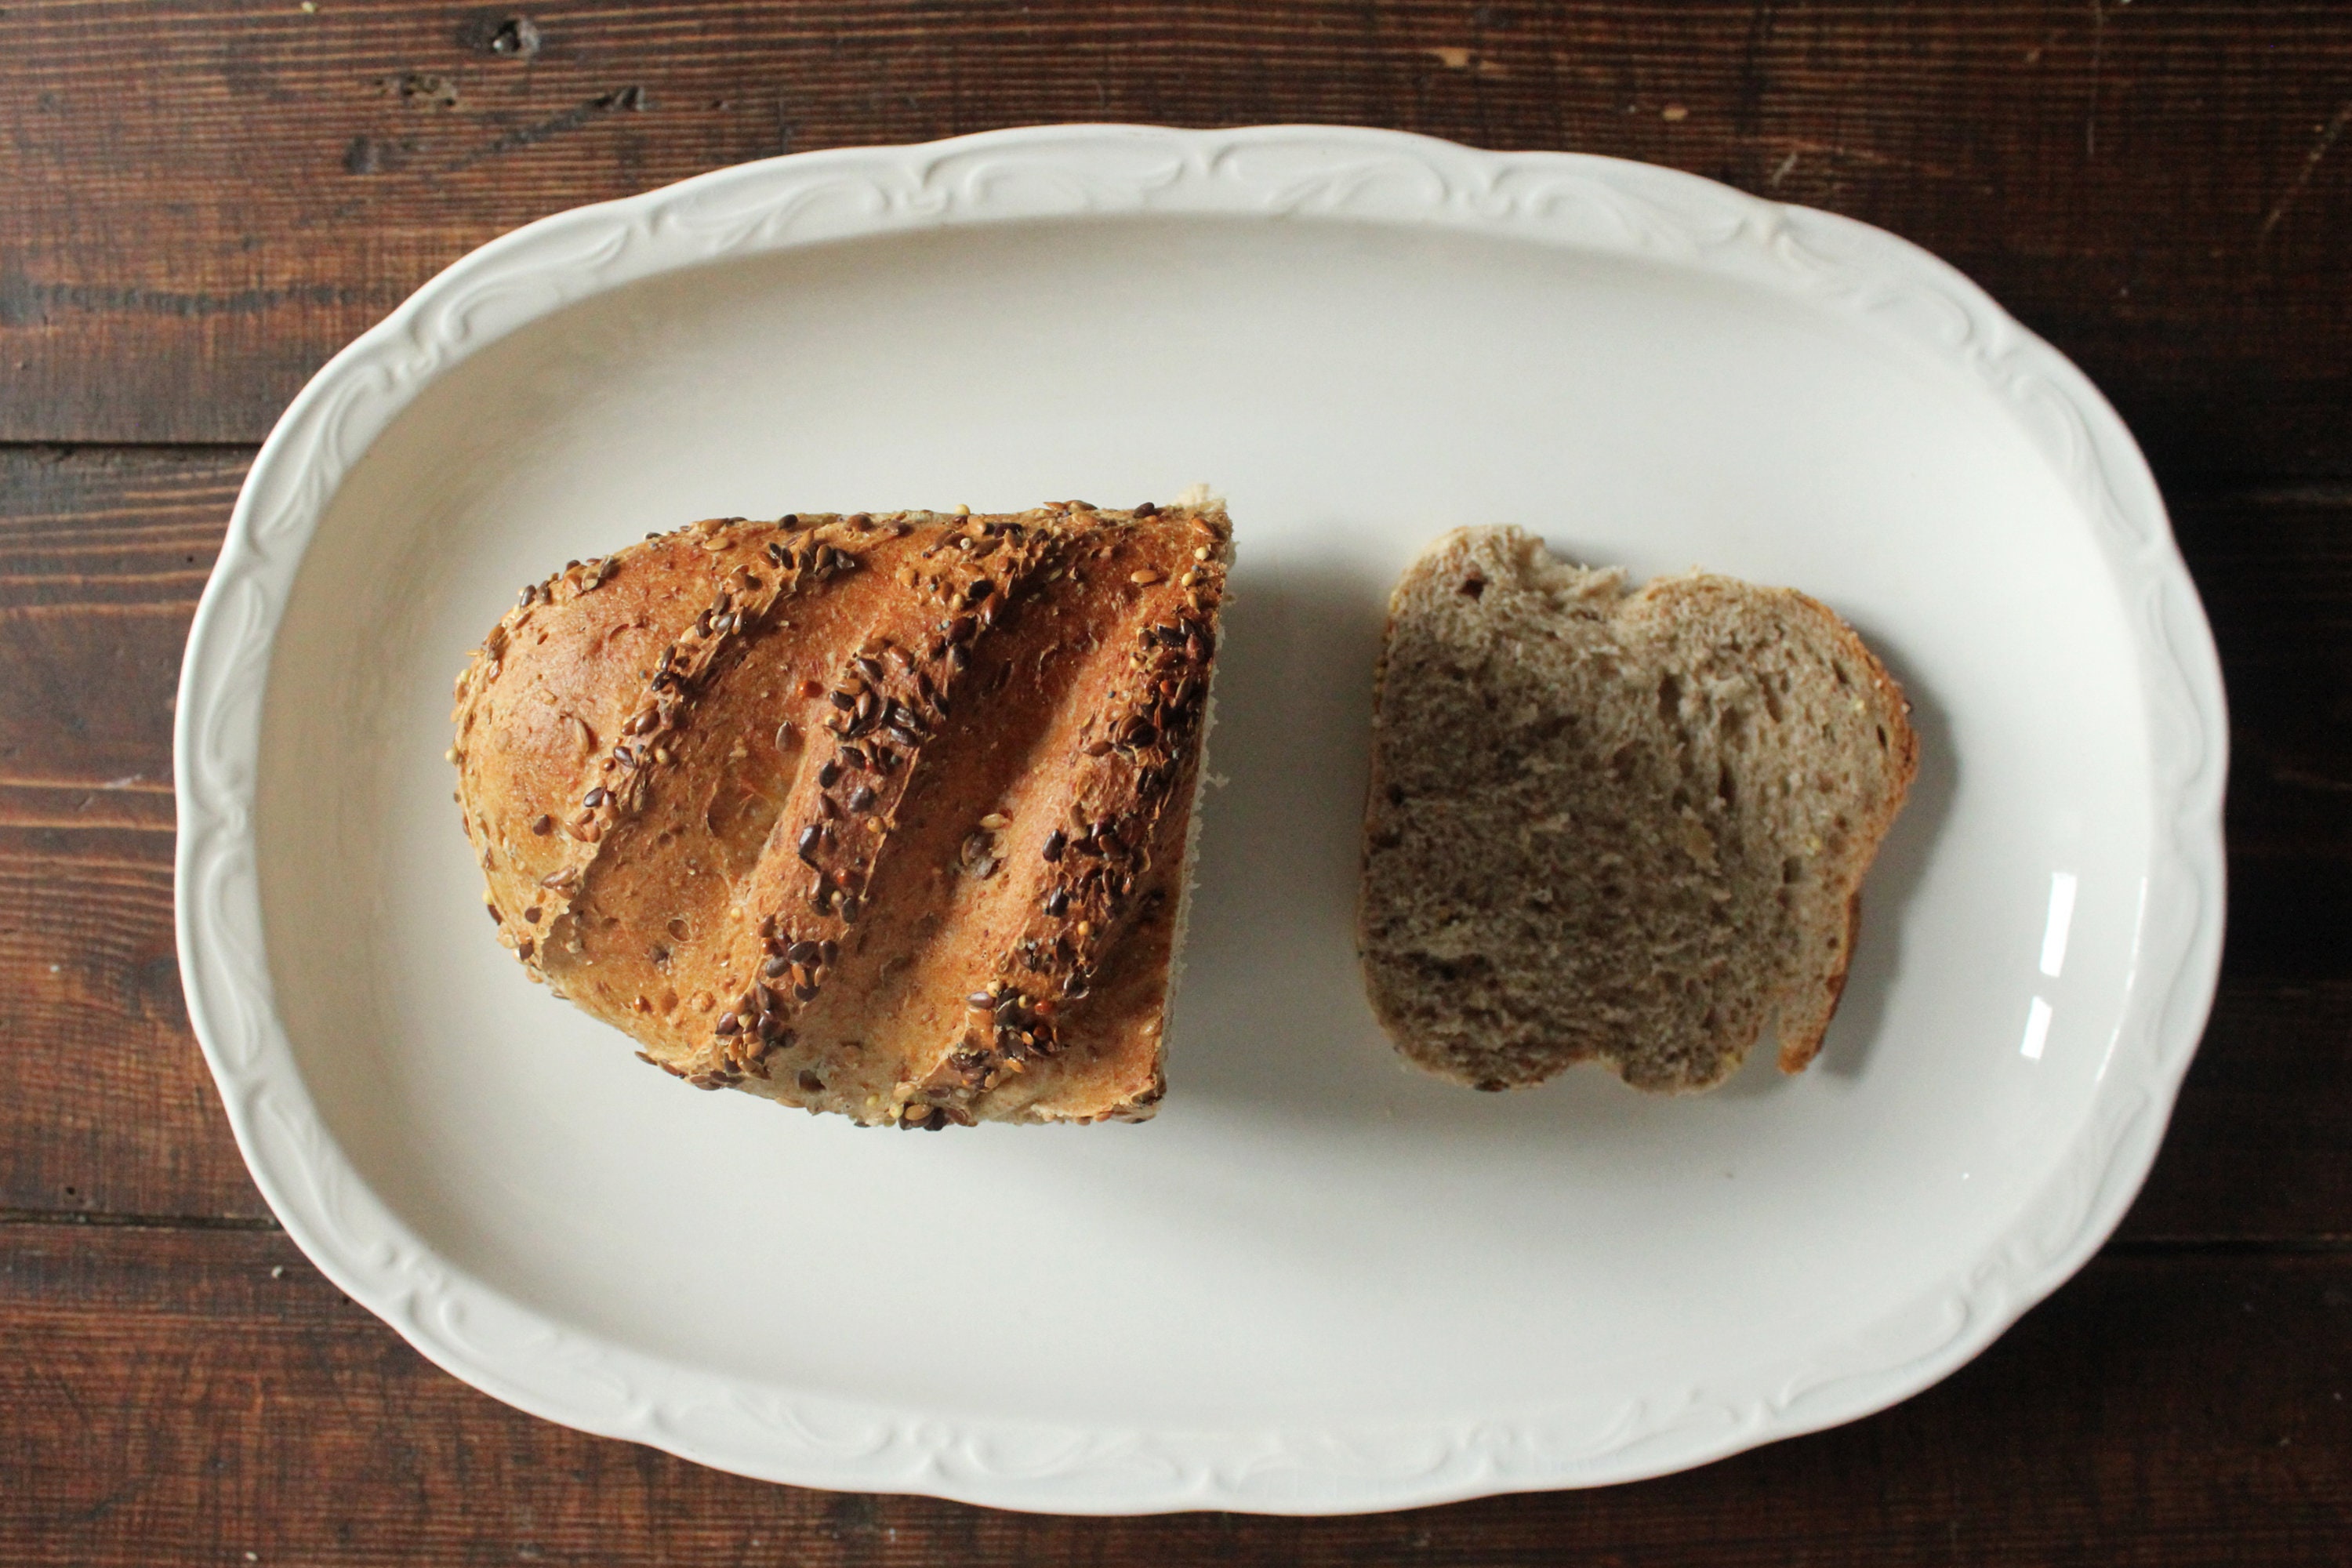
column 1317, row 1282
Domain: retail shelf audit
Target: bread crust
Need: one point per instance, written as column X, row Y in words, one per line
column 877, row 815
column 1439, row 1003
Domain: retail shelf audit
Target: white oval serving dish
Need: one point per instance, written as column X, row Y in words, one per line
column 1317, row 1282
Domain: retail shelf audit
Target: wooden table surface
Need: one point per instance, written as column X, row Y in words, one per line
column 200, row 202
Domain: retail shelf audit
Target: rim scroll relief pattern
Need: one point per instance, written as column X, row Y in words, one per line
column 1287, row 173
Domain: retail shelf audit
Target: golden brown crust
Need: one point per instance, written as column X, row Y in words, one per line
column 1801, row 1036
column 785, row 800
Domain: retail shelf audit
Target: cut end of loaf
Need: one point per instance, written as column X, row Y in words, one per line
column 1612, row 824
column 883, row 814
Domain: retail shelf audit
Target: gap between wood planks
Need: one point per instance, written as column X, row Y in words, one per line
column 90, row 1219
column 2157, row 1246
column 2190, row 489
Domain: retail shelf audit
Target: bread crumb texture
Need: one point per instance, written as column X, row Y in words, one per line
column 880, row 815
column 1615, row 825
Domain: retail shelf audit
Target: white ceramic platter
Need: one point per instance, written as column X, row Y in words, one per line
column 1317, row 1282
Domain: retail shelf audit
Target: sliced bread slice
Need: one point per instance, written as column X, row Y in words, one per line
column 1616, row 825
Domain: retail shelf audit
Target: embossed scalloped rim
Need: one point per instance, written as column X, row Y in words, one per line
column 1279, row 173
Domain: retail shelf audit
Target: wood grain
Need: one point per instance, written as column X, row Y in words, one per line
column 2260, row 1132
column 2274, row 568
column 102, row 555
column 2162, row 189
column 197, row 1395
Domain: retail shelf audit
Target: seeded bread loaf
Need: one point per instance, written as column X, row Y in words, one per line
column 884, row 816
column 1615, row 825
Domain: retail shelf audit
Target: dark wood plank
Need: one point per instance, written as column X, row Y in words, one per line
column 198, row 1395
column 2163, row 189
column 2275, row 567
column 2262, row 1142
column 101, row 557
column 102, row 554
column 2260, row 1148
